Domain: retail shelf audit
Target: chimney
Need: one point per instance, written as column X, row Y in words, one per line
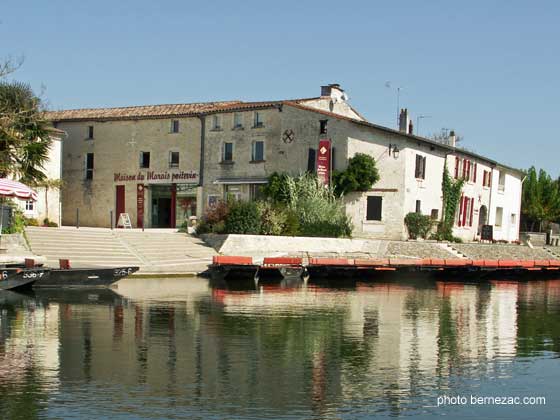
column 334, row 91
column 452, row 138
column 410, row 127
column 404, row 120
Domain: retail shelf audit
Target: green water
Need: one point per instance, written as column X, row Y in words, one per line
column 179, row 348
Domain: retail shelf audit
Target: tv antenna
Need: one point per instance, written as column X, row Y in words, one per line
column 388, row 84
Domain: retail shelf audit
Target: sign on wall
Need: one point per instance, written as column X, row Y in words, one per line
column 324, row 161
column 140, row 206
column 162, row 177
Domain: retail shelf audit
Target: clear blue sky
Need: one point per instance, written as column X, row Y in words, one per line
column 488, row 69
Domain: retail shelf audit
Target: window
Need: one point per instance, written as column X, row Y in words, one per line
column 237, row 120
column 420, row 171
column 311, row 161
column 434, row 214
column 175, row 126
column 232, row 192
column 499, row 216
column 465, row 169
column 487, row 179
column 258, row 119
column 257, row 154
column 173, row 159
column 373, row 209
column 502, row 181
column 227, row 152
column 513, row 218
column 144, row 159
column 90, row 132
column 89, row 166
column 323, row 126
column 29, row 206
column 255, row 191
column 216, row 122
column 465, row 211
column 418, row 207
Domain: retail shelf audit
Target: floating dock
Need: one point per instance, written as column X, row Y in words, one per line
column 238, row 268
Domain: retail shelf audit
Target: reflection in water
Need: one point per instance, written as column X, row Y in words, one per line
column 177, row 347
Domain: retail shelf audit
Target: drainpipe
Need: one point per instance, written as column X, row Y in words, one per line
column 491, row 190
column 202, row 118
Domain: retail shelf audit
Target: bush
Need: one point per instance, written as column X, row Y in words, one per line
column 360, row 175
column 243, row 217
column 17, row 224
column 29, row 221
column 273, row 219
column 418, row 225
column 213, row 220
column 48, row 223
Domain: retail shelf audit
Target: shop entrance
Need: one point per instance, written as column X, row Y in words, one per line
column 162, row 196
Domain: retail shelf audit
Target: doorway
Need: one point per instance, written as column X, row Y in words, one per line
column 163, row 206
column 482, row 218
column 120, row 203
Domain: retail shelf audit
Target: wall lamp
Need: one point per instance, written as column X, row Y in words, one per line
column 395, row 150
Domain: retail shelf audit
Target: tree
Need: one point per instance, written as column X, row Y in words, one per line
column 360, row 175
column 25, row 135
column 540, row 201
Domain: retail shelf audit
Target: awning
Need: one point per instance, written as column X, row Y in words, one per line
column 9, row 188
column 241, row 180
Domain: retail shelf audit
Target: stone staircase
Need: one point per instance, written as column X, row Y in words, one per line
column 155, row 251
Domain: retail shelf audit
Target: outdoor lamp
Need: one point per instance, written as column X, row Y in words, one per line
column 395, row 149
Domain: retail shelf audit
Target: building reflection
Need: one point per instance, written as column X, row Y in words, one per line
column 301, row 349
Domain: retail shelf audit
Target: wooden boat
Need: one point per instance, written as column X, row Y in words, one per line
column 278, row 269
column 18, row 278
column 227, row 268
column 84, row 277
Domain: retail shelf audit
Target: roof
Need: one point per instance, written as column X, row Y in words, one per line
column 160, row 111
column 412, row 137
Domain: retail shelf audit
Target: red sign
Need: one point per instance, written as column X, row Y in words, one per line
column 324, row 161
column 140, row 206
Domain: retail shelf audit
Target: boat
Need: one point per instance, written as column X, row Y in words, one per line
column 18, row 278
column 239, row 269
column 84, row 277
column 281, row 269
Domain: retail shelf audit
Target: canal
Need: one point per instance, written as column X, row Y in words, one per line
column 180, row 348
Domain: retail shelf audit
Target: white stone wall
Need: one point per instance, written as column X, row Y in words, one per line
column 509, row 199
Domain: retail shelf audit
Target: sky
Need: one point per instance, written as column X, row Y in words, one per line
column 487, row 69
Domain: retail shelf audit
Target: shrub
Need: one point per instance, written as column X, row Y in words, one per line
column 276, row 190
column 273, row 219
column 213, row 220
column 243, row 217
column 360, row 175
column 29, row 221
column 418, row 225
column 17, row 224
column 48, row 223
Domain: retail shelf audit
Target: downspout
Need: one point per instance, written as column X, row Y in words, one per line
column 202, row 118
column 491, row 190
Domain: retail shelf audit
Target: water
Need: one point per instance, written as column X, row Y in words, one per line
column 178, row 348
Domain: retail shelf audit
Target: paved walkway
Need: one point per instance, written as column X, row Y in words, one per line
column 154, row 250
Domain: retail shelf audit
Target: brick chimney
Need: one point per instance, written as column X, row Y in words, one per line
column 452, row 138
column 404, row 121
column 334, row 91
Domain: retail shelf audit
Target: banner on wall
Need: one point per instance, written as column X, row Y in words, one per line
column 324, row 161
column 140, row 206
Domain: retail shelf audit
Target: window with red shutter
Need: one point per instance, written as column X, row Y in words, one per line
column 471, row 215
column 456, row 167
column 475, row 170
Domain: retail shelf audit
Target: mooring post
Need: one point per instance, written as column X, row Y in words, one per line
column 77, row 218
column 111, row 218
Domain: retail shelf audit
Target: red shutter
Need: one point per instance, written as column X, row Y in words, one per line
column 475, row 170
column 464, row 168
column 472, row 208
column 456, row 167
column 468, row 170
column 490, row 178
column 484, row 178
column 461, row 211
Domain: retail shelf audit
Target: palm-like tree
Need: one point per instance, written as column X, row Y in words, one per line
column 25, row 135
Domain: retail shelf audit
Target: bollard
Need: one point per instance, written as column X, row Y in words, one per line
column 77, row 218
column 111, row 218
column 29, row 263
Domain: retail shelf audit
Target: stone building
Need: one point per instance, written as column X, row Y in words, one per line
column 164, row 163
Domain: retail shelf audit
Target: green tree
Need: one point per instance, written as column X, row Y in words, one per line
column 540, row 202
column 25, row 135
column 360, row 175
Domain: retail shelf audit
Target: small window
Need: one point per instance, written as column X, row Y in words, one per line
column 237, row 120
column 513, row 218
column 175, row 126
column 173, row 159
column 420, row 169
column 373, row 210
column 258, row 119
column 29, row 205
column 90, row 132
column 434, row 214
column 499, row 216
column 418, row 207
column 257, row 154
column 502, row 181
column 144, row 159
column 311, row 161
column 89, row 166
column 323, row 126
column 216, row 122
column 227, row 153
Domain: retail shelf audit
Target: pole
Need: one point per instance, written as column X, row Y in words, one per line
column 111, row 218
column 77, row 218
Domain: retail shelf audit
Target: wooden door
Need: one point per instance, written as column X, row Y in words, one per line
column 120, row 205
